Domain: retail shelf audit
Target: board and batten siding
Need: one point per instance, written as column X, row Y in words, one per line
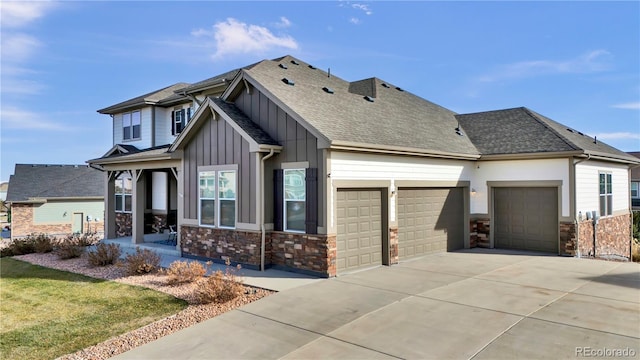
column 145, row 130
column 299, row 145
column 217, row 143
column 61, row 212
column 588, row 186
column 518, row 170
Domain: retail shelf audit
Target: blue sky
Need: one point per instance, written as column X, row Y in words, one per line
column 575, row 62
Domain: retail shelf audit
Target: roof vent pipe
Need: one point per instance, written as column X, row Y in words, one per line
column 329, row 73
column 595, row 139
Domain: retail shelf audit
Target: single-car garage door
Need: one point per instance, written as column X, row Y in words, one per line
column 430, row 220
column 359, row 239
column 526, row 218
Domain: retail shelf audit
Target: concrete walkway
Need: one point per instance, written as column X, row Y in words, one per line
column 270, row 279
column 474, row 304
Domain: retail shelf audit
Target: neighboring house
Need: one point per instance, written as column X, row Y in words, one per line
column 56, row 200
column 292, row 167
column 635, row 184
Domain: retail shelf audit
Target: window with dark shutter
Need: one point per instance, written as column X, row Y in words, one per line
column 278, row 199
column 311, row 218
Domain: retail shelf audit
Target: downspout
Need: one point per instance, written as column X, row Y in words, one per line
column 262, row 228
column 575, row 194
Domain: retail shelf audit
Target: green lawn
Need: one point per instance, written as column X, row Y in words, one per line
column 46, row 313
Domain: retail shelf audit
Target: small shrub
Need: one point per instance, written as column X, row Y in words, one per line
column 220, row 287
column 105, row 254
column 635, row 250
column 180, row 272
column 73, row 246
column 42, row 243
column 21, row 246
column 86, row 239
column 142, row 262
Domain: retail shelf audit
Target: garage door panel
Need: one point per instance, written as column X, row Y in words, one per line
column 526, row 218
column 359, row 238
column 429, row 220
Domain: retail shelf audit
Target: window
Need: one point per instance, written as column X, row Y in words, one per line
column 179, row 120
column 223, row 212
column 123, row 193
column 635, row 187
column 131, row 125
column 606, row 194
column 294, row 200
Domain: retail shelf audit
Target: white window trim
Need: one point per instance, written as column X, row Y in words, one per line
column 123, row 194
column 284, row 198
column 131, row 126
column 217, row 169
column 637, row 189
column 606, row 194
column 188, row 113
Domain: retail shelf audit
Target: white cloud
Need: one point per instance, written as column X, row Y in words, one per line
column 18, row 47
column 235, row 37
column 594, row 61
column 363, row 7
column 15, row 118
column 19, row 13
column 629, row 105
column 21, row 86
column 284, row 23
column 355, row 20
column 618, row 136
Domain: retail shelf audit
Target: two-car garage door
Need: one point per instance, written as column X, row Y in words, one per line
column 429, row 220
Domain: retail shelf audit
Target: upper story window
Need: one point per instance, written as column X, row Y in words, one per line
column 131, row 125
column 179, row 120
column 606, row 194
column 635, row 188
column 123, row 192
column 294, row 199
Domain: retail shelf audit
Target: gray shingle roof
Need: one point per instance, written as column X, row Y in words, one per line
column 251, row 128
column 522, row 131
column 54, row 181
column 395, row 118
column 218, row 79
column 149, row 98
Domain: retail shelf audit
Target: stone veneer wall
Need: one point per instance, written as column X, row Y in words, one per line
column 613, row 234
column 159, row 223
column 237, row 246
column 568, row 239
column 479, row 233
column 307, row 252
column 394, row 256
column 124, row 224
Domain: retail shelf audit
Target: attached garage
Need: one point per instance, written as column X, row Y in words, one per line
column 430, row 220
column 360, row 229
column 526, row 218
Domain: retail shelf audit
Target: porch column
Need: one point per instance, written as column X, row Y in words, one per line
column 138, row 207
column 177, row 174
column 109, row 205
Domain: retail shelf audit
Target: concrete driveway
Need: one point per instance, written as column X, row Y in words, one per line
column 475, row 304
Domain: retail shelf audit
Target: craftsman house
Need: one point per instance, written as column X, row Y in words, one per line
column 285, row 165
column 56, row 200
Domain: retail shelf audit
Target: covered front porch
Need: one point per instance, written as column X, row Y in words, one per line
column 141, row 194
column 162, row 244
